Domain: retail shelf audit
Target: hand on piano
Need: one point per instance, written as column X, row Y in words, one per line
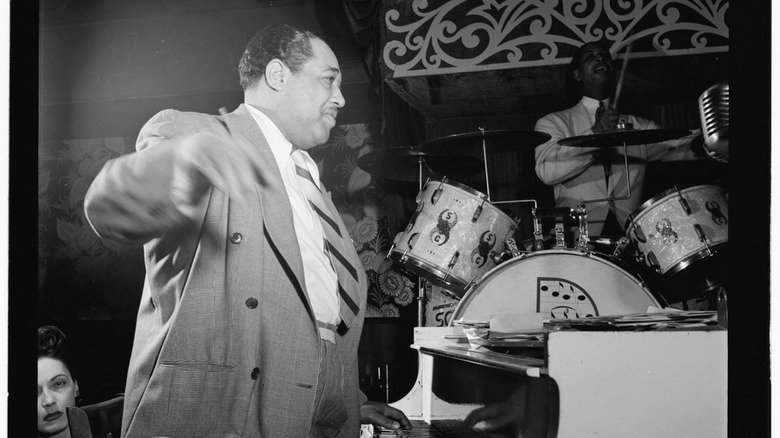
column 494, row 417
column 381, row 414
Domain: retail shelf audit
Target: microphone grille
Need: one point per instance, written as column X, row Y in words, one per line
column 714, row 112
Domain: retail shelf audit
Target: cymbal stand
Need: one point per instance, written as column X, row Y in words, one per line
column 559, row 215
column 580, row 209
column 420, row 280
column 537, row 226
column 582, row 218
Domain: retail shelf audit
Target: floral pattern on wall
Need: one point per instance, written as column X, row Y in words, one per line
column 360, row 201
column 80, row 277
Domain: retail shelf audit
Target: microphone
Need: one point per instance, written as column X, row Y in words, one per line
column 714, row 112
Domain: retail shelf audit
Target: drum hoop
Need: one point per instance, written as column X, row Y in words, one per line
column 578, row 252
column 693, row 258
column 658, row 298
column 478, row 194
column 650, row 202
column 464, row 187
column 429, row 268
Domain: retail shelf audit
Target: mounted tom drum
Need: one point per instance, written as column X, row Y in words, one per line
column 453, row 236
column 681, row 235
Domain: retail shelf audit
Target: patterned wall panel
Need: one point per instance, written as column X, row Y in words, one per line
column 428, row 37
column 80, row 277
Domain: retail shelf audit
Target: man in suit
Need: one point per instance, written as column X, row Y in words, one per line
column 579, row 174
column 254, row 297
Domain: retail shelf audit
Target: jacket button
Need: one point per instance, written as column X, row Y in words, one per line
column 255, row 373
column 251, row 303
column 236, row 238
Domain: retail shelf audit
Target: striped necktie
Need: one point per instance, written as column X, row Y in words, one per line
column 334, row 243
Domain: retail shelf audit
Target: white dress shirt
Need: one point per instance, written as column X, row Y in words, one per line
column 321, row 280
column 577, row 175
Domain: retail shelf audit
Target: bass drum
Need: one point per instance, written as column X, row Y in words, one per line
column 560, row 283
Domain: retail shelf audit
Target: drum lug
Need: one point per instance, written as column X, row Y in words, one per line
column 404, row 255
column 652, row 260
column 683, row 202
column 451, row 264
column 477, row 213
column 702, row 237
column 640, row 235
column 437, row 193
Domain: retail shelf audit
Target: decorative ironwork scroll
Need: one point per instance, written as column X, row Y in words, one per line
column 427, row 37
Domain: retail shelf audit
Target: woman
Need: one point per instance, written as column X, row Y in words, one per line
column 57, row 386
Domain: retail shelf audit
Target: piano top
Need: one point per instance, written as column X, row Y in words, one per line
column 521, row 364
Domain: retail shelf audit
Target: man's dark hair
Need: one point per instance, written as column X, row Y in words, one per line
column 572, row 88
column 277, row 41
column 53, row 344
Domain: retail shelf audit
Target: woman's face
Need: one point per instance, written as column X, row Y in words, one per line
column 56, row 390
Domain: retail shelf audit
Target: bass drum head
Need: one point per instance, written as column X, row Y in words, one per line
column 559, row 284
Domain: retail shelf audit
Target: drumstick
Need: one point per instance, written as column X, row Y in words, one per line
column 619, row 86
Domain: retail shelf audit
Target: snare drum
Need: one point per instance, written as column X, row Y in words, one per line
column 452, row 235
column 558, row 283
column 679, row 227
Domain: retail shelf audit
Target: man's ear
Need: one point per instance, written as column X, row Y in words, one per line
column 576, row 75
column 276, row 74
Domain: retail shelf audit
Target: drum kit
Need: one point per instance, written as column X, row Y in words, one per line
column 462, row 245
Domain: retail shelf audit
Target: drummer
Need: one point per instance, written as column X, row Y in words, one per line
column 590, row 173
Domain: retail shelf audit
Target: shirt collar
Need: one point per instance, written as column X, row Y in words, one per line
column 280, row 146
column 592, row 104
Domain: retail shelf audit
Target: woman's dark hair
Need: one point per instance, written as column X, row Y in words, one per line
column 277, row 41
column 52, row 343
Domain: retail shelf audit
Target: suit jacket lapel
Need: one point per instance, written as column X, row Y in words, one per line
column 275, row 205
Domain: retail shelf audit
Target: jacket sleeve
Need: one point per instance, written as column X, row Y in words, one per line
column 556, row 163
column 129, row 201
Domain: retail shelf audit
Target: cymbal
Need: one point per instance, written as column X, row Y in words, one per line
column 627, row 137
column 470, row 143
column 403, row 164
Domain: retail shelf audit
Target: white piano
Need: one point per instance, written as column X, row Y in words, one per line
column 579, row 383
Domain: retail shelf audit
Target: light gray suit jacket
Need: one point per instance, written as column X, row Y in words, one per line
column 226, row 344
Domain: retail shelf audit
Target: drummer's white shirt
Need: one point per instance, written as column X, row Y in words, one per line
column 577, row 176
column 321, row 280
